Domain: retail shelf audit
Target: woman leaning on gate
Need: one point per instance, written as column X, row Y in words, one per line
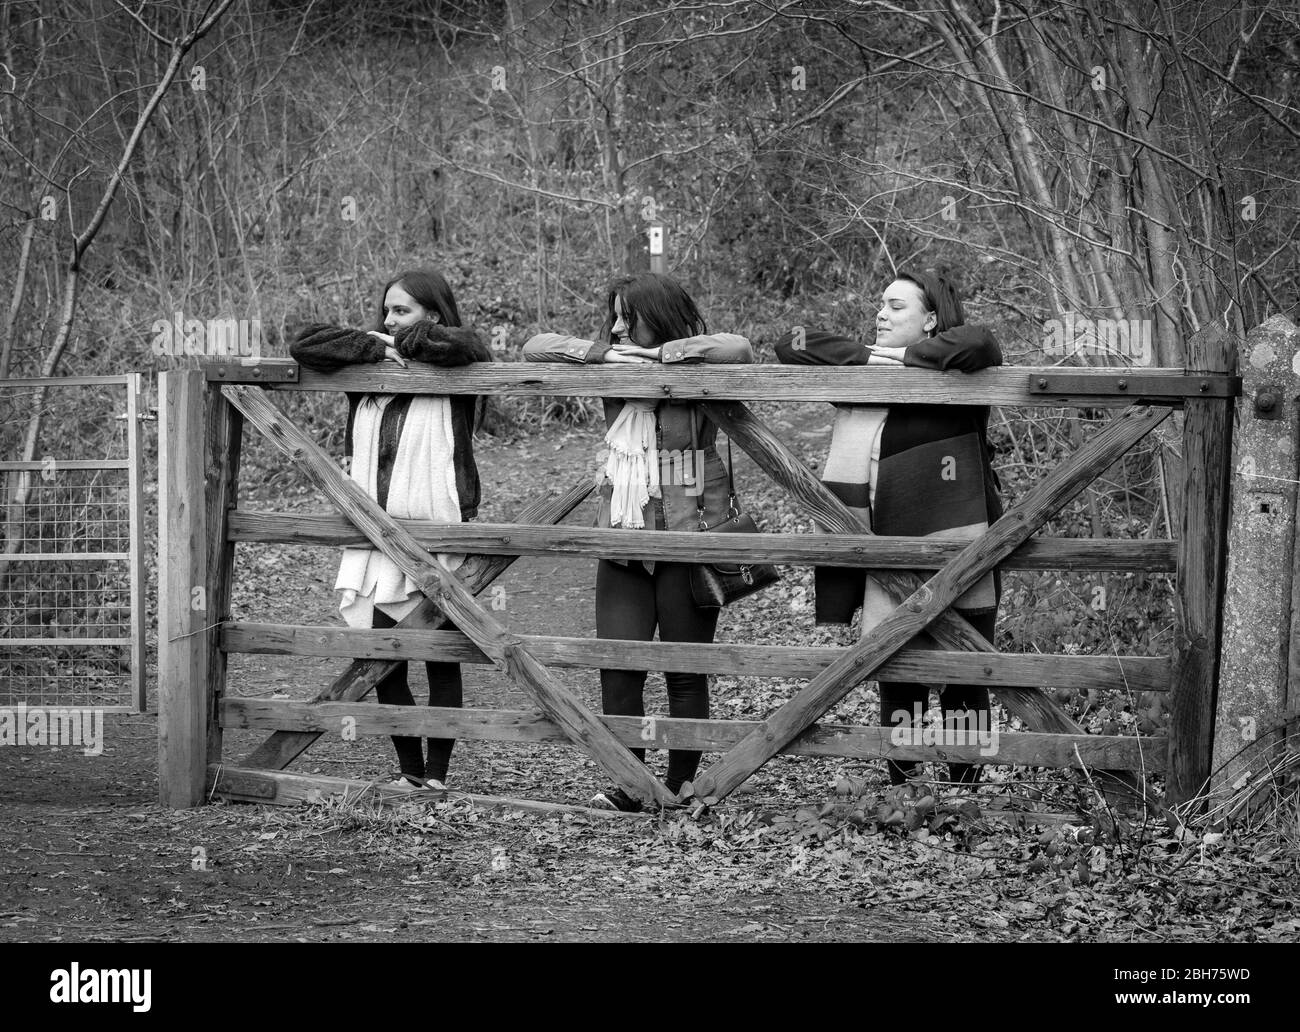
column 662, row 472
column 912, row 471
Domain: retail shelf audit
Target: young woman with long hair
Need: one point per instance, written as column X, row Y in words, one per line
column 654, row 480
column 413, row 454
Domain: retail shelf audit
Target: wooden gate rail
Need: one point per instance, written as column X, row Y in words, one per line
column 196, row 642
column 843, row 740
column 360, row 678
column 1202, row 557
column 997, row 670
column 868, row 551
column 928, row 602
column 864, row 385
column 439, row 585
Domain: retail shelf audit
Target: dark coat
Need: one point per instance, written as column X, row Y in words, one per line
column 903, row 509
column 329, row 348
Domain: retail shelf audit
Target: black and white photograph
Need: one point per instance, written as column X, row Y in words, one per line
column 360, row 581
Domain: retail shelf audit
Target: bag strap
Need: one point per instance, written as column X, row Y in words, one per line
column 699, row 473
column 733, row 508
column 731, row 480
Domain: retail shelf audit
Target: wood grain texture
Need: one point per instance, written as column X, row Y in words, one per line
column 660, row 732
column 281, row 788
column 184, row 644
column 1207, row 447
column 1004, row 385
column 996, row 670
column 924, row 606
column 360, row 678
column 1257, row 622
column 441, row 586
column 223, row 437
column 857, row 550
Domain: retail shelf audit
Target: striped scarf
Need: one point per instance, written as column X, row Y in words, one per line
column 933, row 489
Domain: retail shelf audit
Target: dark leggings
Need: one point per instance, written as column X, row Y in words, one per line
column 896, row 695
column 630, row 603
column 445, row 689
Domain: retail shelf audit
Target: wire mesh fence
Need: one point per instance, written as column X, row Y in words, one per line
column 71, row 579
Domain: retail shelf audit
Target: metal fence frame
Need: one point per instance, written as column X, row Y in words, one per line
column 134, row 555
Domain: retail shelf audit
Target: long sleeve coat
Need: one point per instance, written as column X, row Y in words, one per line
column 917, row 493
column 329, row 348
column 678, row 507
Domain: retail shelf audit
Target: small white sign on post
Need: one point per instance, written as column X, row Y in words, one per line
column 656, row 234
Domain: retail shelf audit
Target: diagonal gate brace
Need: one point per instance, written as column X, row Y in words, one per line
column 951, row 630
column 281, row 748
column 579, row 724
column 925, row 605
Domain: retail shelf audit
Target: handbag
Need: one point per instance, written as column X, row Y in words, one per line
column 713, row 585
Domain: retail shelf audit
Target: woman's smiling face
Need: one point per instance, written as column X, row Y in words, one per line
column 402, row 310
column 641, row 335
column 903, row 320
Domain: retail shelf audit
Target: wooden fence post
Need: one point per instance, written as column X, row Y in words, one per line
column 183, row 591
column 1258, row 610
column 223, row 427
column 1207, row 438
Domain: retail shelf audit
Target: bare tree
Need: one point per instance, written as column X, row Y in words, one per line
column 82, row 239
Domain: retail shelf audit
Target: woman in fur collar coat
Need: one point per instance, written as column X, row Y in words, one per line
column 413, row 454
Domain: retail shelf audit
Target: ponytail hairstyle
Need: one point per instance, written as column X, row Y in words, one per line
column 657, row 300
column 939, row 296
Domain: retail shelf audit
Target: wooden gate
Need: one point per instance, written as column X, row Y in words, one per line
column 203, row 416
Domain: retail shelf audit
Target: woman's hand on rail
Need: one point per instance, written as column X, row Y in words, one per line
column 633, row 351
column 892, row 354
column 391, row 353
column 635, row 356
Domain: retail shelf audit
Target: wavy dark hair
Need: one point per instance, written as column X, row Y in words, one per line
column 939, row 296
column 430, row 289
column 657, row 300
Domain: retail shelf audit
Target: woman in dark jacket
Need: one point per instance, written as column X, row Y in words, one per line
column 654, row 480
column 911, row 470
column 413, row 454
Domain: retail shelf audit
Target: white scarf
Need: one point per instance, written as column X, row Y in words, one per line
column 422, row 486
column 633, row 463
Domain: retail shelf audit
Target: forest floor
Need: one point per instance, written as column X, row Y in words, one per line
column 808, row 850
